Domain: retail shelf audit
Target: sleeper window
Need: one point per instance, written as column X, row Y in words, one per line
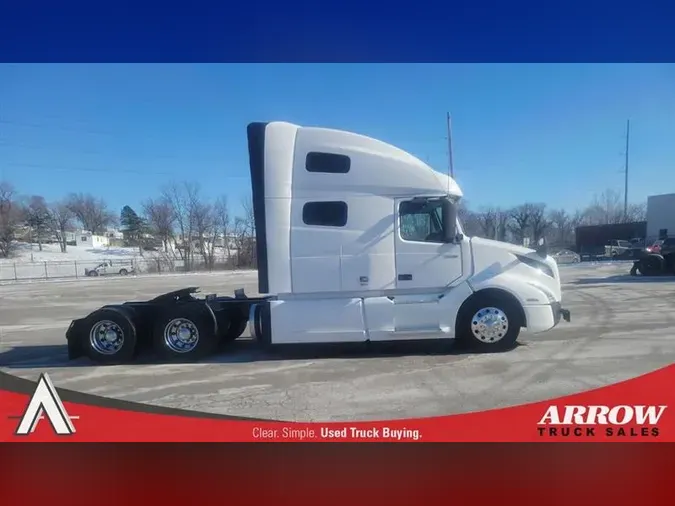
column 325, row 214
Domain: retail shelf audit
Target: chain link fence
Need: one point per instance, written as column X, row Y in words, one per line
column 75, row 269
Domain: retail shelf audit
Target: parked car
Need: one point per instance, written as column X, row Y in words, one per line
column 107, row 268
column 618, row 248
column 652, row 263
column 655, row 247
column 566, row 257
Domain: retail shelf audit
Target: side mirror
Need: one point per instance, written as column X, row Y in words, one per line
column 449, row 221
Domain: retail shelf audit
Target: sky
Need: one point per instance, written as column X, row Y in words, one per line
column 538, row 132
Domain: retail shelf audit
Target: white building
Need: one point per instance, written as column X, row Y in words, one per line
column 661, row 216
column 114, row 233
column 88, row 240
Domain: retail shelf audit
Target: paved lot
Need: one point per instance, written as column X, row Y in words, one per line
column 621, row 327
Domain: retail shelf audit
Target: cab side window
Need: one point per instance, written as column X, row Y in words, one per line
column 325, row 214
column 421, row 221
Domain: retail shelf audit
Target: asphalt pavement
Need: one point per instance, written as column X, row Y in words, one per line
column 621, row 327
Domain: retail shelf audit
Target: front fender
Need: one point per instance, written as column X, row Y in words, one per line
column 526, row 290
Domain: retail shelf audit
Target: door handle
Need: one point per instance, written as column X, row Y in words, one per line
column 405, row 277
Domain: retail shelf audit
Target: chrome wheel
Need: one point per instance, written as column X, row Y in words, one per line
column 181, row 335
column 489, row 325
column 106, row 337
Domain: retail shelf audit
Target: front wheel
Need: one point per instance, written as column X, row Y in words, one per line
column 489, row 324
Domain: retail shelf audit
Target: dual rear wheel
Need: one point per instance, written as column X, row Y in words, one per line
column 181, row 332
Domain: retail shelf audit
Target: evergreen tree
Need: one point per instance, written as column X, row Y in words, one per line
column 132, row 226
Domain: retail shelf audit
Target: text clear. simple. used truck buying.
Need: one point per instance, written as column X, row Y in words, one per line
column 356, row 240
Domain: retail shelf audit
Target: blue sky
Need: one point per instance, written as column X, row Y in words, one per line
column 539, row 133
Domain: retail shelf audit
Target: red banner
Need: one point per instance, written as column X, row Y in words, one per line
column 636, row 410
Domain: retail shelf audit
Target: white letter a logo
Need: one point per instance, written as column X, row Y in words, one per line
column 45, row 400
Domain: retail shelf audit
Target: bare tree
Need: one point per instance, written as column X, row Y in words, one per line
column 222, row 218
column 92, row 213
column 538, row 222
column 636, row 212
column 182, row 198
column 206, row 229
column 244, row 235
column 487, row 220
column 605, row 209
column 10, row 219
column 467, row 218
column 502, row 220
column 560, row 230
column 60, row 222
column 160, row 216
column 520, row 222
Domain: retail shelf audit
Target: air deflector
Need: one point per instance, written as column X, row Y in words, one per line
column 256, row 153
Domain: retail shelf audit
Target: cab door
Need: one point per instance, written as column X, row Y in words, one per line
column 424, row 262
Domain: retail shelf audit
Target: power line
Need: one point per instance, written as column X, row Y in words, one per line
column 99, row 170
column 55, row 127
column 86, row 151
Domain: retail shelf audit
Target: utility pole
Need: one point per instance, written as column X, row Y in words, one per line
column 625, row 189
column 450, row 166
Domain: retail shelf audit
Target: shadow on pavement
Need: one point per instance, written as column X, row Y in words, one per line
column 241, row 351
column 623, row 278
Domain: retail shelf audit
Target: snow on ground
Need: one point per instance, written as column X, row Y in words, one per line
column 52, row 253
column 28, row 263
column 31, row 263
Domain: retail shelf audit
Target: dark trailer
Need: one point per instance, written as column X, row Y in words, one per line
column 592, row 239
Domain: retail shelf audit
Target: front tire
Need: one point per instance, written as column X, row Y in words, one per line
column 185, row 332
column 489, row 323
column 108, row 337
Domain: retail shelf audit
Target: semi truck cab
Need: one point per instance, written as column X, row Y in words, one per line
column 358, row 240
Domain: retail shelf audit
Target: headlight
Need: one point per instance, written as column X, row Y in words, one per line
column 536, row 264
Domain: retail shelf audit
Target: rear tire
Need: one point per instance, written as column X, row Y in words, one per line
column 123, row 272
column 108, row 337
column 653, row 265
column 238, row 321
column 489, row 323
column 237, row 327
column 185, row 332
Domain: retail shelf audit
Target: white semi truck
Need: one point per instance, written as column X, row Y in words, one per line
column 356, row 240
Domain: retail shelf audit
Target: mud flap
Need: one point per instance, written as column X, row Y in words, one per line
column 567, row 316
